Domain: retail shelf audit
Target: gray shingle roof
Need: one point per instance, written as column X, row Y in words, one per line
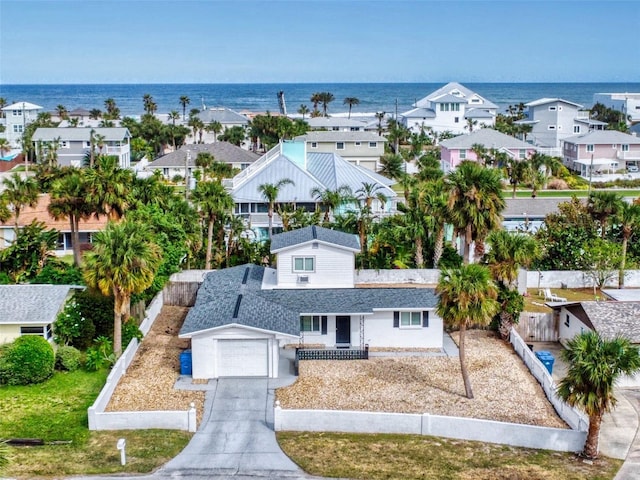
column 227, row 297
column 35, row 304
column 611, row 319
column 488, row 137
column 420, row 113
column 333, row 136
column 223, row 115
column 603, row 137
column 330, row 122
column 284, row 240
column 74, row 134
column 222, row 151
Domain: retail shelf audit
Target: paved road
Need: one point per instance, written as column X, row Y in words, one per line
column 631, row 468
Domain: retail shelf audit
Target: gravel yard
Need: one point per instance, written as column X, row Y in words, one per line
column 148, row 383
column 503, row 388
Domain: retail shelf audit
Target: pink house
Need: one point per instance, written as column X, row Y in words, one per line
column 455, row 150
column 605, row 150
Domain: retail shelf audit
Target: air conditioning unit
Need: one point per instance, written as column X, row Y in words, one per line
column 303, row 278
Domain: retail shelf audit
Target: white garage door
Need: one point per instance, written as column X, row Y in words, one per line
column 243, row 358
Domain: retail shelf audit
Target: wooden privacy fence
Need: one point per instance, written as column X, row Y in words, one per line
column 182, row 294
column 537, row 327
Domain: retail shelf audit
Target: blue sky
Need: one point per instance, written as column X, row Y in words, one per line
column 184, row 41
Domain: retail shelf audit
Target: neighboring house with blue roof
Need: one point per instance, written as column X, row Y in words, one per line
column 243, row 315
column 308, row 171
column 31, row 309
column 448, row 109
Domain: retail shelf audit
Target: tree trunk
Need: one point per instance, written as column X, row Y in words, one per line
column 438, row 246
column 513, row 193
column 117, row 324
column 623, row 261
column 506, row 323
column 463, row 365
column 270, row 220
column 207, row 260
column 419, row 256
column 75, row 239
column 467, row 245
column 591, row 444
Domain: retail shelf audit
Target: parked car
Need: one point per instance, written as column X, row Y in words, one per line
column 632, row 168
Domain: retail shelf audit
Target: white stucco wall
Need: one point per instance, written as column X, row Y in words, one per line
column 333, row 267
column 379, row 332
column 574, row 328
column 410, row 275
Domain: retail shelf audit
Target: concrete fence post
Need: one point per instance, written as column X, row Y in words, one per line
column 192, row 418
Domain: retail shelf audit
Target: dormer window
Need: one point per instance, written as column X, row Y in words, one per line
column 303, row 264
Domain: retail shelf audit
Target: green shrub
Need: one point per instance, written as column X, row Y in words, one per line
column 130, row 331
column 100, row 354
column 68, row 358
column 59, row 273
column 29, row 359
column 99, row 309
column 73, row 328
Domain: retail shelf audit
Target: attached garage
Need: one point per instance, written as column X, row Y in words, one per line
column 243, row 358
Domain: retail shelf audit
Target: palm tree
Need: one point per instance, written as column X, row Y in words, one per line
column 594, row 366
column 173, row 116
column 602, row 206
column 518, row 171
column 369, row 192
column 95, row 113
column 108, row 188
column 122, row 262
column 5, row 146
column 316, row 99
column 214, row 127
column 326, row 98
column 471, row 123
column 69, row 200
column 629, row 218
column 467, row 296
column 112, row 110
column 150, row 106
column 18, row 193
column 269, row 192
column 331, row 199
column 475, row 203
column 392, row 166
column 196, row 124
column 351, row 101
column 184, row 101
column 213, row 202
column 303, row 110
column 61, row 112
column 380, row 116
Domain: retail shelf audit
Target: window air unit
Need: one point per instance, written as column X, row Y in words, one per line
column 303, row 278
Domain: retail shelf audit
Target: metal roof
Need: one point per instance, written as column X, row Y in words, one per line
column 234, row 296
column 72, row 134
column 222, row 151
column 477, row 113
column 454, row 87
column 313, row 233
column 419, row 112
column 488, row 137
column 330, row 122
column 22, row 106
column 338, row 136
column 544, row 101
column 32, row 304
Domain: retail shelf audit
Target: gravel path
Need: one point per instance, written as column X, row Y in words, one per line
column 148, row 383
column 504, row 389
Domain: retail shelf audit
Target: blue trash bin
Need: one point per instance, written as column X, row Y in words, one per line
column 547, row 359
column 185, row 362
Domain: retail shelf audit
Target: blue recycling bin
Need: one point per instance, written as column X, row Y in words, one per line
column 547, row 359
column 185, row 362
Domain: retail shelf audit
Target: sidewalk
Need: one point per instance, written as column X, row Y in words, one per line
column 627, row 410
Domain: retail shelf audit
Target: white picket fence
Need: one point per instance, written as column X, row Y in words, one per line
column 101, row 420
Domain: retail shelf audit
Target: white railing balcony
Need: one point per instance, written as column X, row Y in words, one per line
column 247, row 172
column 628, row 155
column 583, row 114
column 114, row 150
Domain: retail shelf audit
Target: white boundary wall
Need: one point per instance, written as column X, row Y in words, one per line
column 528, row 436
column 428, row 276
column 101, row 420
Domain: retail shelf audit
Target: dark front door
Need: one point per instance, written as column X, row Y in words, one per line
column 343, row 330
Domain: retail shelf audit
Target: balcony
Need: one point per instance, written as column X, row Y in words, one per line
column 634, row 155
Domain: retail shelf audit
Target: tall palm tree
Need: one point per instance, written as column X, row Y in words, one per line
column 112, row 110
column 316, row 99
column 108, row 188
column 150, row 106
column 61, row 112
column 351, row 101
column 303, row 110
column 369, row 192
column 173, row 116
column 392, row 166
column 196, row 124
column 184, row 101
column 467, row 296
column 518, row 171
column 19, row 193
column 629, row 219
column 602, row 206
column 326, row 98
column 331, row 199
column 122, row 262
column 69, row 200
column 214, row 127
column 380, row 116
column 95, row 113
column 594, row 366
column 214, row 203
column 269, row 192
column 475, row 203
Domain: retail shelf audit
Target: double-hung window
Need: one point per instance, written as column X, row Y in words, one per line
column 310, row 323
column 463, row 154
column 625, row 147
column 590, row 148
column 339, row 145
column 410, row 319
column 303, row 264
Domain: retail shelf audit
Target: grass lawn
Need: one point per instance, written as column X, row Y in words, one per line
column 535, row 302
column 389, row 457
column 56, row 411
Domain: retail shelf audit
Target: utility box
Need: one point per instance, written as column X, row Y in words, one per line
column 547, row 359
column 185, row 362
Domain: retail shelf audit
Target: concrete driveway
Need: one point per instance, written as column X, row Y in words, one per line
column 236, row 435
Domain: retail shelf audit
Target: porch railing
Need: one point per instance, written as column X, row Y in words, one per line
column 331, row 354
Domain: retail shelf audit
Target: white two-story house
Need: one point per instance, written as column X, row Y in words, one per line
column 449, row 109
column 244, row 315
column 74, row 143
column 357, row 147
column 16, row 118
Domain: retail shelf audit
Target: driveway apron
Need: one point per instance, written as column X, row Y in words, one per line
column 235, row 436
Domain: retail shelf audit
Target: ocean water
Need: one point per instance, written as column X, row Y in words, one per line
column 374, row 97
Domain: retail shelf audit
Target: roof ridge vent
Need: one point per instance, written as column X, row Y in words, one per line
column 237, row 307
column 314, row 232
column 246, row 276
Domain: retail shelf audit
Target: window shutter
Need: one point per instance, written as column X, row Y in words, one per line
column 396, row 319
column 324, row 325
column 425, row 318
